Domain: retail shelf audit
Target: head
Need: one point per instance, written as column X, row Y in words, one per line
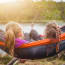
column 52, row 30
column 26, row 36
column 33, row 34
column 13, row 31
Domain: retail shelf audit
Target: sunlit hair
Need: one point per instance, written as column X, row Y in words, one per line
column 12, row 31
column 52, row 30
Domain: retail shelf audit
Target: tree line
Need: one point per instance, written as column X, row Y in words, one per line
column 33, row 11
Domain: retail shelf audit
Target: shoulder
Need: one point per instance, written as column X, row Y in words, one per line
column 20, row 40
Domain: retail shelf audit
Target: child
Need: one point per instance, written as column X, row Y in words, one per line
column 53, row 32
column 14, row 36
column 34, row 36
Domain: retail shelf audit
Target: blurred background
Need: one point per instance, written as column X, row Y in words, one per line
column 27, row 12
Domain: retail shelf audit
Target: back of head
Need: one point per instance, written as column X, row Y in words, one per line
column 15, row 27
column 26, row 36
column 34, row 34
column 52, row 30
column 12, row 31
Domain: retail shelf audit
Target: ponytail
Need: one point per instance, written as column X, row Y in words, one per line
column 10, row 41
column 58, row 33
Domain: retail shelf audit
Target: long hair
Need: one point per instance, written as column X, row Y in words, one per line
column 52, row 30
column 12, row 31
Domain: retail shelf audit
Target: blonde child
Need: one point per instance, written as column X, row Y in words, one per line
column 14, row 36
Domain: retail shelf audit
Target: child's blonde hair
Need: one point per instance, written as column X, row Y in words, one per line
column 52, row 30
column 12, row 30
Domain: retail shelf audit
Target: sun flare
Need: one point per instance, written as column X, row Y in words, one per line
column 7, row 1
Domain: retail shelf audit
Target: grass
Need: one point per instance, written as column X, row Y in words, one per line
column 4, row 60
column 44, row 62
column 55, row 60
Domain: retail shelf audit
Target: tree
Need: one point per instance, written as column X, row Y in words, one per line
column 50, row 0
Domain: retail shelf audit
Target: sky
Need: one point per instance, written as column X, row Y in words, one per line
column 58, row 0
column 47, row 0
column 14, row 1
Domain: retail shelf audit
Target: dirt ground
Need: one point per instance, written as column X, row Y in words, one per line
column 43, row 62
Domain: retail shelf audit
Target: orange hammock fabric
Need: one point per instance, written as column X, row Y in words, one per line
column 40, row 42
column 2, row 43
column 43, row 42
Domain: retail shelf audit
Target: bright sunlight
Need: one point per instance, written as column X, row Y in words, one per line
column 7, row 1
